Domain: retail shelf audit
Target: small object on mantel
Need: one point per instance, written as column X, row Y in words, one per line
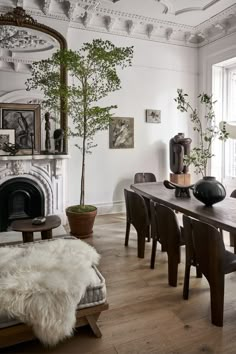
column 180, row 191
column 11, row 148
column 39, row 220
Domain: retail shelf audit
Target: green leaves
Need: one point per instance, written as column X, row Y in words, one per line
column 207, row 131
column 93, row 75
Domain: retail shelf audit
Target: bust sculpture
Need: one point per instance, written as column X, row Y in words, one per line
column 179, row 146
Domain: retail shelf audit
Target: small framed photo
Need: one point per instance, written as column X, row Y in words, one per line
column 6, row 136
column 121, row 133
column 24, row 119
column 153, row 116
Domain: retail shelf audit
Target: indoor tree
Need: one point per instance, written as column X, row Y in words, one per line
column 93, row 75
column 207, row 130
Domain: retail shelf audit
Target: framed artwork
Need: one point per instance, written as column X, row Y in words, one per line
column 6, row 136
column 24, row 119
column 153, row 116
column 121, row 133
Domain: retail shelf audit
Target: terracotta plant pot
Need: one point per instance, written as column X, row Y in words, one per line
column 81, row 224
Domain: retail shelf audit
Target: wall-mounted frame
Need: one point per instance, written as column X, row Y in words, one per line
column 121, row 133
column 24, row 119
column 153, row 116
column 6, row 136
column 19, row 17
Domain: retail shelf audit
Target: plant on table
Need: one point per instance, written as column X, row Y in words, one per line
column 93, row 75
column 207, row 131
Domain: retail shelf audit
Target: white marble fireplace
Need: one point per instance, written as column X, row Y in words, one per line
column 48, row 172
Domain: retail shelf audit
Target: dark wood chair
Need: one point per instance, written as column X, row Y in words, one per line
column 167, row 231
column 214, row 262
column 190, row 256
column 136, row 215
column 142, row 177
column 232, row 237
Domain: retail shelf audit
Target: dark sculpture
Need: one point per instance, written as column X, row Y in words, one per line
column 179, row 146
column 180, row 191
column 58, row 139
column 11, row 148
column 47, row 130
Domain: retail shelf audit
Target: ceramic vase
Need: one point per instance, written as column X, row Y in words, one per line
column 209, row 191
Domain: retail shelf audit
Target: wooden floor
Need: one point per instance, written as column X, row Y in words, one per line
column 145, row 314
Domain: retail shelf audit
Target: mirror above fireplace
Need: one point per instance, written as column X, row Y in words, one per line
column 22, row 41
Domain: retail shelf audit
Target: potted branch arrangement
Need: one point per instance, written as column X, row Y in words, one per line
column 93, row 75
column 208, row 189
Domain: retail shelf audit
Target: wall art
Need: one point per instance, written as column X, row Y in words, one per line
column 121, row 133
column 153, row 116
column 6, row 136
column 25, row 120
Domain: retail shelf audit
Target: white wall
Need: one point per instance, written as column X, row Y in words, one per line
column 157, row 71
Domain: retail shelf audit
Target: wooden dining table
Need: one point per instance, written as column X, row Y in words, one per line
column 221, row 215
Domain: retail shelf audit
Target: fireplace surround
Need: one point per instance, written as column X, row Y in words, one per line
column 31, row 186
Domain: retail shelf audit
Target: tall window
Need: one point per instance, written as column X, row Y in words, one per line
column 223, row 166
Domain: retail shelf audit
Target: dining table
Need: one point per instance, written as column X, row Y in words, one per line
column 222, row 215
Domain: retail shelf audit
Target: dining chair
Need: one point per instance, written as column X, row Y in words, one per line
column 142, row 177
column 232, row 237
column 190, row 256
column 214, row 262
column 137, row 215
column 166, row 230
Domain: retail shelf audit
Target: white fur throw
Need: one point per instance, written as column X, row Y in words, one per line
column 42, row 284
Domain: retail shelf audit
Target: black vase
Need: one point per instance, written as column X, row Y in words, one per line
column 209, row 191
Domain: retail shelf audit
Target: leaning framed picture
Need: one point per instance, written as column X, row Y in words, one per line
column 121, row 133
column 24, row 119
column 6, row 136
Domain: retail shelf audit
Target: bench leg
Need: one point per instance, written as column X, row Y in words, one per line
column 93, row 324
column 27, row 236
column 45, row 235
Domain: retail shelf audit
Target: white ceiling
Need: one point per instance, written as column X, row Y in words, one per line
column 183, row 22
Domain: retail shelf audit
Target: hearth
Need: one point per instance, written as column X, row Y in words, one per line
column 20, row 198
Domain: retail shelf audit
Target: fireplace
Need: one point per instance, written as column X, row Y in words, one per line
column 20, row 198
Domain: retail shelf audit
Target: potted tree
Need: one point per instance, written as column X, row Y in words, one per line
column 93, row 75
column 208, row 189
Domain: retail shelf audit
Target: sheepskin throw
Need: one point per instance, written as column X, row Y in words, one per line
column 41, row 285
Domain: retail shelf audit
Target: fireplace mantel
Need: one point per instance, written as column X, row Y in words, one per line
column 33, row 157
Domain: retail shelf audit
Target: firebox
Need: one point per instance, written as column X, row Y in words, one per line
column 20, row 198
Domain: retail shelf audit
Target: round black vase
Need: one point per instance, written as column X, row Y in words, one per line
column 209, row 191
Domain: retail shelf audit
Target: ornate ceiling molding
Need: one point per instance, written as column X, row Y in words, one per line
column 98, row 16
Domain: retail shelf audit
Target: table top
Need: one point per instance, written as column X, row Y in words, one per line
column 25, row 225
column 222, row 215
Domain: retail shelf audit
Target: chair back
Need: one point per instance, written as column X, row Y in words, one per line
column 188, row 239
column 209, row 249
column 165, row 225
column 136, row 209
column 142, row 177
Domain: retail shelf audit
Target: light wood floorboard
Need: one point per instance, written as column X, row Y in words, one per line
column 145, row 314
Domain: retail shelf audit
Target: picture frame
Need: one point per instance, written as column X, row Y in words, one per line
column 121, row 133
column 6, row 136
column 25, row 120
column 153, row 116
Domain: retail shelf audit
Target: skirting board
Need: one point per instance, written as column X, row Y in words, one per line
column 111, row 208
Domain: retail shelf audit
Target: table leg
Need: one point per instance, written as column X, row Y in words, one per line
column 46, row 234
column 27, row 236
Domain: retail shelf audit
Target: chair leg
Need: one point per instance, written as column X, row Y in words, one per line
column 232, row 241
column 127, row 233
column 149, row 234
column 173, row 261
column 198, row 272
column 153, row 256
column 141, row 245
column 217, row 302
column 186, row 281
